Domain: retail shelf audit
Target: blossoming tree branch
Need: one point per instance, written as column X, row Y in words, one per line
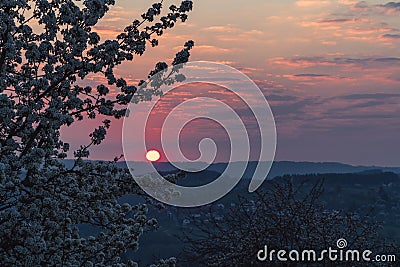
column 47, row 47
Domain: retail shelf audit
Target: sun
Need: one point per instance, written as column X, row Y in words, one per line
column 153, row 155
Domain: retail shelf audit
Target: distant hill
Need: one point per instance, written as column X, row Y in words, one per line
column 197, row 178
column 374, row 178
column 278, row 168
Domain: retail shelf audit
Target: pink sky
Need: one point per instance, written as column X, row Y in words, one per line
column 330, row 70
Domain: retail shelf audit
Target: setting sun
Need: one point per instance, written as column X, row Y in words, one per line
column 153, row 155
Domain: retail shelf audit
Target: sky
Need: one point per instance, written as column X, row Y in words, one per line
column 330, row 70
